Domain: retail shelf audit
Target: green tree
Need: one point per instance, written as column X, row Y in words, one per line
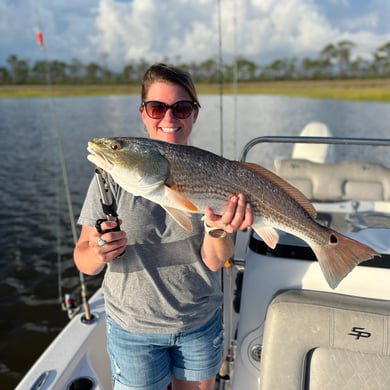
column 328, row 56
column 5, row 77
column 333, row 61
column 309, row 68
column 76, row 69
column 209, row 71
column 382, row 59
column 19, row 69
column 58, row 72
column 128, row 73
column 280, row 69
column 343, row 53
column 39, row 72
column 246, row 70
column 92, row 73
column 140, row 69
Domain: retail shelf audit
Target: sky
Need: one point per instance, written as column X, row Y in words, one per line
column 114, row 33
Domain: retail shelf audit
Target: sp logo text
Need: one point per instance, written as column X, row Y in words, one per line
column 359, row 332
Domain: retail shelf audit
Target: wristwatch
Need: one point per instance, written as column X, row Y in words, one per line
column 214, row 231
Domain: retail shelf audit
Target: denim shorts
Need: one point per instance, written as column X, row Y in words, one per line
column 146, row 361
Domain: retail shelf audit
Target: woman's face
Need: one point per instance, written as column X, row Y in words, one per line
column 169, row 128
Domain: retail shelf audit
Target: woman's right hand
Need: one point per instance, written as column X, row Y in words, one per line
column 107, row 246
column 89, row 256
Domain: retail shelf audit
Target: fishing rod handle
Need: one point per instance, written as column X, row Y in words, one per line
column 98, row 225
column 117, row 228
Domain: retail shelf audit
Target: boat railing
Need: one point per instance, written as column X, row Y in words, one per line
column 312, row 140
column 354, row 181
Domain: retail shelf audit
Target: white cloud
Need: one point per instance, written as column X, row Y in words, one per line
column 118, row 32
column 291, row 27
column 155, row 29
column 369, row 22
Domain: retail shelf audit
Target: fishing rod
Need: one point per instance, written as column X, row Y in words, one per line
column 68, row 303
column 227, row 282
column 220, row 66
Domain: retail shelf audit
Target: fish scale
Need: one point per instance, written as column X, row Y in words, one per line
column 221, row 188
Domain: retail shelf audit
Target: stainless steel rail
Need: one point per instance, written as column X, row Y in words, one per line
column 313, row 140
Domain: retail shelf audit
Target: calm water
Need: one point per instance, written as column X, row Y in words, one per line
column 33, row 205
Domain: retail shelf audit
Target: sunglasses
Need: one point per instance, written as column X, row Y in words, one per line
column 157, row 110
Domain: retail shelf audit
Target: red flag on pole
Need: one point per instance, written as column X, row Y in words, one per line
column 39, row 37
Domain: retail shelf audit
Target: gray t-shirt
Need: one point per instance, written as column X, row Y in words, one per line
column 160, row 284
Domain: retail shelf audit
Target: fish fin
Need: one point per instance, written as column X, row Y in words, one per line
column 340, row 256
column 181, row 217
column 182, row 201
column 297, row 195
column 268, row 234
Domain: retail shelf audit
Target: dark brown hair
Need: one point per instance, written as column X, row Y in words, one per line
column 168, row 74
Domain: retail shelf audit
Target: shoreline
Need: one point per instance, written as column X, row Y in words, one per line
column 376, row 90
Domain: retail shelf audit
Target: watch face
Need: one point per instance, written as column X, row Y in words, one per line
column 217, row 233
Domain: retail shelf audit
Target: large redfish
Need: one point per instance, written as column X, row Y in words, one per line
column 184, row 179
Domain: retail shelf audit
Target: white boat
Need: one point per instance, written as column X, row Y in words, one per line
column 285, row 328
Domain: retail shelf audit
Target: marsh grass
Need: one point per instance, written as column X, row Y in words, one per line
column 363, row 90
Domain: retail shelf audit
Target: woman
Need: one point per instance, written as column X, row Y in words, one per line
column 162, row 294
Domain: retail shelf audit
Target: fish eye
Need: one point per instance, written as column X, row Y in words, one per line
column 115, row 146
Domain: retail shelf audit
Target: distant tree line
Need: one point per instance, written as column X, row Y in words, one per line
column 333, row 61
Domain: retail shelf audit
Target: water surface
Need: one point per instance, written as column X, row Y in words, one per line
column 35, row 236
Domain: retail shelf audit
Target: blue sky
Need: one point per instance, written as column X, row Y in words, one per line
column 115, row 32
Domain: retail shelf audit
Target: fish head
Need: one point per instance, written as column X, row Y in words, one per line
column 136, row 164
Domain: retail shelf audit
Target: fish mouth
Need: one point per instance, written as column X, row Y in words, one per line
column 99, row 159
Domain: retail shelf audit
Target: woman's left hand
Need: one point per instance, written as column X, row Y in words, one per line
column 237, row 215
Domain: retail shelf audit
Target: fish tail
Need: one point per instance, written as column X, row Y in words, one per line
column 340, row 256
